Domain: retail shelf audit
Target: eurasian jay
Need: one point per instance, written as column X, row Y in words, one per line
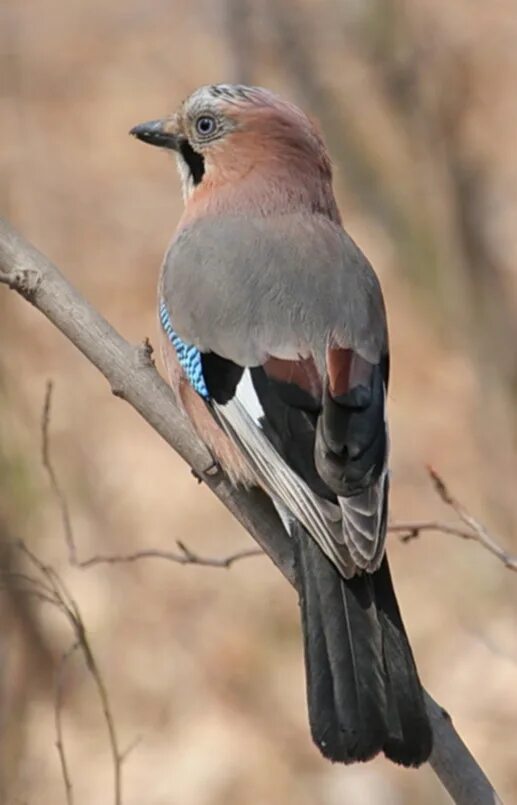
column 276, row 345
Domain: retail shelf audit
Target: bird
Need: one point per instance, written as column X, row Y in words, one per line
column 274, row 337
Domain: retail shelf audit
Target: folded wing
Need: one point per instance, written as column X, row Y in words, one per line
column 289, row 321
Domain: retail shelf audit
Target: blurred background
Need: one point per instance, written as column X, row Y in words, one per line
column 418, row 100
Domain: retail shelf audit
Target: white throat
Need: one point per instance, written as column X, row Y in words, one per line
column 187, row 182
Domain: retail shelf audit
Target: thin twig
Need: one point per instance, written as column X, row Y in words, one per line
column 412, row 530
column 186, row 557
column 61, row 598
column 116, row 754
column 476, row 531
column 47, row 463
column 36, row 584
column 130, row 748
column 58, row 704
column 41, row 597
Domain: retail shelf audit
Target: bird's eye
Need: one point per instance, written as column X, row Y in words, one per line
column 205, row 125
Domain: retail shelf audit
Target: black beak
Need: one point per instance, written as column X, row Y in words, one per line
column 155, row 132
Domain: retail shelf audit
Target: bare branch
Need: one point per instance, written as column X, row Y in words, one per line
column 136, row 380
column 475, row 530
column 116, row 754
column 58, row 704
column 412, row 530
column 130, row 748
column 47, row 463
column 34, row 584
column 479, row 532
column 57, row 594
column 466, row 783
column 186, row 557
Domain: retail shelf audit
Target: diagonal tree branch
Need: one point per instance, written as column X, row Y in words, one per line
column 132, row 376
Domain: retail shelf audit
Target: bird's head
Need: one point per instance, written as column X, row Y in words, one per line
column 225, row 134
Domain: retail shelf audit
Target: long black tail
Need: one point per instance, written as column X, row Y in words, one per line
column 363, row 690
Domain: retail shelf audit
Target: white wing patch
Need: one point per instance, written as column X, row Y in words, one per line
column 320, row 517
column 247, row 396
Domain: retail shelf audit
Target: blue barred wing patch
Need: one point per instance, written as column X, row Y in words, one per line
column 189, row 357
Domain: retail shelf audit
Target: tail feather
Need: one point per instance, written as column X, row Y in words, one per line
column 410, row 738
column 363, row 691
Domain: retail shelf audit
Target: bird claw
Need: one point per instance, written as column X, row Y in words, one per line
column 211, row 471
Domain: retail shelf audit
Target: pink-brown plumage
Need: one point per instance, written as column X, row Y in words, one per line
column 274, row 162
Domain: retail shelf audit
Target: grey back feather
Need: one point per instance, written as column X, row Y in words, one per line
column 250, row 288
column 262, row 286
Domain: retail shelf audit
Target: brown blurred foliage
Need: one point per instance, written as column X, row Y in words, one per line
column 418, row 101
